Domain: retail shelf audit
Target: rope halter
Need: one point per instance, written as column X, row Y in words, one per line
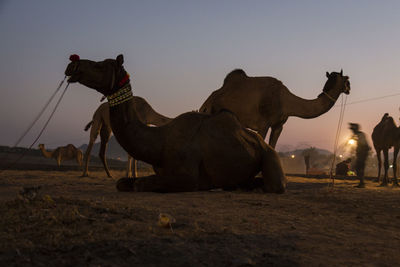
column 331, row 98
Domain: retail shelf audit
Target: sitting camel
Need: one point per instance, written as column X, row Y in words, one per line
column 261, row 103
column 101, row 124
column 68, row 152
column 194, row 151
column 384, row 136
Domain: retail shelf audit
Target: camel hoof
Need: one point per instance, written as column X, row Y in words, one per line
column 276, row 190
column 85, row 175
column 383, row 185
column 395, row 184
column 125, row 185
column 360, row 186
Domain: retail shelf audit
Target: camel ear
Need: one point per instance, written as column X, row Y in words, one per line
column 341, row 72
column 120, row 59
column 327, row 74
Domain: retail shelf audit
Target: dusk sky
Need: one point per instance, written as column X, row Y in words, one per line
column 178, row 52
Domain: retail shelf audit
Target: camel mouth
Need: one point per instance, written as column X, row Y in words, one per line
column 73, row 73
column 346, row 88
column 73, row 78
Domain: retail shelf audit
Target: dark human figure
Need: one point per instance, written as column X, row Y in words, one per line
column 307, row 162
column 343, row 167
column 361, row 152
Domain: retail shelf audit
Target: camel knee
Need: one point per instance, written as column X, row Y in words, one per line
column 273, row 187
column 272, row 171
column 125, row 185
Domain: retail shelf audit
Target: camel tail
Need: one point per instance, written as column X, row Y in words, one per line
column 87, row 127
column 272, row 172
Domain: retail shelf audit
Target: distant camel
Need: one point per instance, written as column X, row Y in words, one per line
column 68, row 152
column 261, row 103
column 101, row 124
column 384, row 136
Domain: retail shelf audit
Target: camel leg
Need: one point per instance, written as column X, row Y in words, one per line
column 86, row 158
column 156, row 183
column 186, row 179
column 134, row 168
column 59, row 160
column 395, row 153
column 131, row 170
column 275, row 133
column 79, row 158
column 378, row 155
column 105, row 136
column 94, row 132
column 273, row 175
column 385, row 166
column 129, row 167
column 263, row 132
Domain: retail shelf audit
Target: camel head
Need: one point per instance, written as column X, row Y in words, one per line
column 104, row 76
column 41, row 146
column 336, row 81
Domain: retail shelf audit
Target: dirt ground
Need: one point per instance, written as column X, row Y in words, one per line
column 86, row 222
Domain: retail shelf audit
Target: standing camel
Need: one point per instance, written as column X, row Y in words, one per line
column 384, row 136
column 101, row 124
column 194, row 151
column 261, row 103
column 68, row 152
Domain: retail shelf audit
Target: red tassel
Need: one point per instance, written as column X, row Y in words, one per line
column 124, row 80
column 74, row 57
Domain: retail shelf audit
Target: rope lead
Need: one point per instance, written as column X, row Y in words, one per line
column 43, row 128
column 40, row 113
column 339, row 127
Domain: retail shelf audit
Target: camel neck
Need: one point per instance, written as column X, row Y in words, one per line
column 46, row 154
column 309, row 108
column 140, row 141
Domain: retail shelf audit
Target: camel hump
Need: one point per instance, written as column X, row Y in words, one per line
column 235, row 75
column 388, row 122
column 384, row 128
column 71, row 146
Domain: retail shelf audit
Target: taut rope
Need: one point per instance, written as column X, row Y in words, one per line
column 44, row 126
column 339, row 127
column 40, row 113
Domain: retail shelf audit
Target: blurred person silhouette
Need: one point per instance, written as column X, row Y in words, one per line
column 307, row 162
column 361, row 152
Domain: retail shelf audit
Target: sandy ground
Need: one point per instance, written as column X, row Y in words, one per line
column 85, row 222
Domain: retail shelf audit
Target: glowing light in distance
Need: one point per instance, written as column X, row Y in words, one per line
column 351, row 142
